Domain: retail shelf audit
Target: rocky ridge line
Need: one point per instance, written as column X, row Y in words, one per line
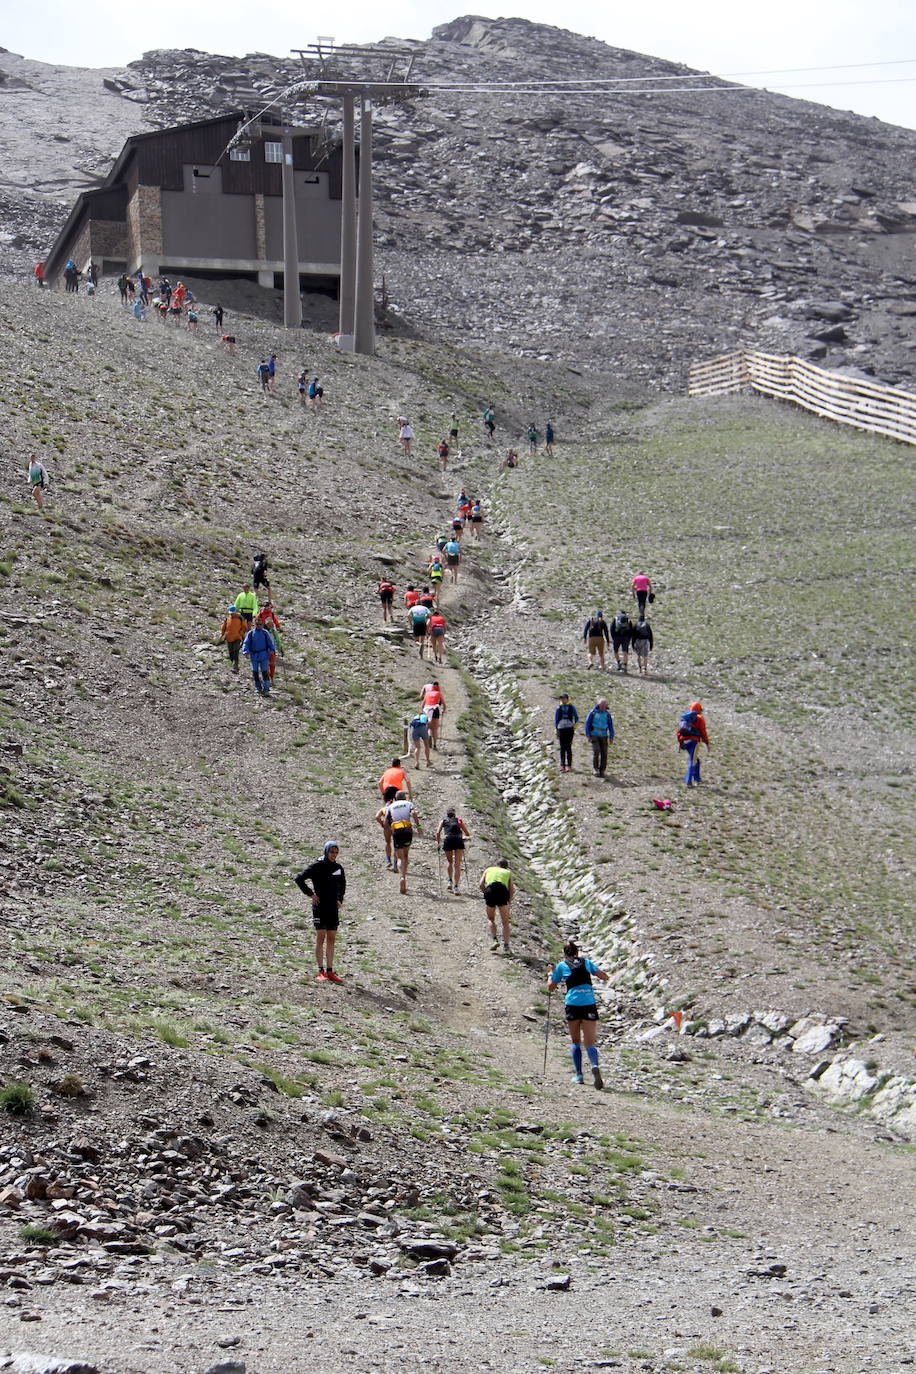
column 634, row 234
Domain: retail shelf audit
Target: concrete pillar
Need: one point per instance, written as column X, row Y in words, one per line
column 364, row 322
column 260, row 227
column 292, row 301
column 347, row 230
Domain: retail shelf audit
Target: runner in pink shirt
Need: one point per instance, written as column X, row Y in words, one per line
column 642, row 587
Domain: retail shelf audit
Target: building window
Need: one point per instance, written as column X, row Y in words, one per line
column 239, row 154
column 273, row 152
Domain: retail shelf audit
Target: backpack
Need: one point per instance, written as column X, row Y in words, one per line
column 451, row 828
column 578, row 976
column 622, row 622
column 419, row 615
column 313, row 390
column 595, row 628
column 686, row 728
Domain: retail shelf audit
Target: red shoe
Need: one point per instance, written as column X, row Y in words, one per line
column 332, row 977
column 322, row 976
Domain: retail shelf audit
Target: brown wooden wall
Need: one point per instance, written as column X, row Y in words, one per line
column 159, row 160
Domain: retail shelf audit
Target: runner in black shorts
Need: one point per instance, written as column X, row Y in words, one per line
column 452, row 834
column 386, row 591
column 498, row 890
column 402, row 816
column 581, row 1007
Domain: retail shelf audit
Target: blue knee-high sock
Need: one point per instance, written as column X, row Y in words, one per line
column 592, row 1052
column 577, row 1058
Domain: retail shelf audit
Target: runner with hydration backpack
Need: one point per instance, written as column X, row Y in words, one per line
column 418, row 738
column 451, row 835
column 581, row 1007
column 418, row 618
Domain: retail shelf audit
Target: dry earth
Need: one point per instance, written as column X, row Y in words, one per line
column 240, row 1164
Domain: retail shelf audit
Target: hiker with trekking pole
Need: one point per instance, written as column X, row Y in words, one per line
column 450, row 838
column 581, row 1008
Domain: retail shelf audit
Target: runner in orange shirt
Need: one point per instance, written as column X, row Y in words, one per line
column 394, row 777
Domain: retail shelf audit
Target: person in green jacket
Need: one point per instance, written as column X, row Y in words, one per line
column 498, row 890
column 246, row 603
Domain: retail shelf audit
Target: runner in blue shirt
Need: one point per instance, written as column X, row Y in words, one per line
column 453, row 558
column 581, row 1008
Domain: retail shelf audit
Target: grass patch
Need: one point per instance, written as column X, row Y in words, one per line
column 33, row 1233
column 17, row 1099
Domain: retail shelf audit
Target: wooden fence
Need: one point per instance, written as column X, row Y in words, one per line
column 847, row 400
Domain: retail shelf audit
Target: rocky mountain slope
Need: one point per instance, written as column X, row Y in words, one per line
column 220, row 1160
column 631, row 233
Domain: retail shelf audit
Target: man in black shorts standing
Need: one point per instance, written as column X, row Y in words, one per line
column 328, row 885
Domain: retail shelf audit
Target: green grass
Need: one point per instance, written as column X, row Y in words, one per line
column 17, row 1099
column 33, row 1233
column 711, row 1355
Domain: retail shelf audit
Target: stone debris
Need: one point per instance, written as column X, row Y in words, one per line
column 779, row 217
column 45, row 1364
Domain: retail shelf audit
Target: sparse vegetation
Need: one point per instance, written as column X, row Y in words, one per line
column 17, row 1099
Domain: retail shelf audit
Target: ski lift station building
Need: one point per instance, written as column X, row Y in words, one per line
column 177, row 200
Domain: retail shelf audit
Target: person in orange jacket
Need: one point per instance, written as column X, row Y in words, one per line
column 232, row 632
column 691, row 733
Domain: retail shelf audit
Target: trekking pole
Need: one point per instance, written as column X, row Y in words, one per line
column 546, row 1033
column 439, row 855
